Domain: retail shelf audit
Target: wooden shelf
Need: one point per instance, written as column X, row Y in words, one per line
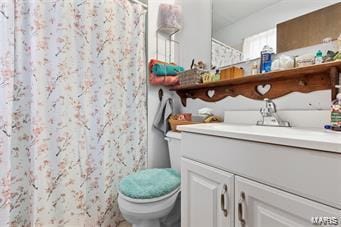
column 267, row 85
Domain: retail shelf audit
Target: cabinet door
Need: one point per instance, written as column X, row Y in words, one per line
column 207, row 196
column 258, row 205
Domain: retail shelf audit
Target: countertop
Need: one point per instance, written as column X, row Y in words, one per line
column 310, row 138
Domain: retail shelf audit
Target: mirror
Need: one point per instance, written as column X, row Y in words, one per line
column 241, row 28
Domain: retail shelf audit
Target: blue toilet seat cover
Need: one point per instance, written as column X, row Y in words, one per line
column 150, row 183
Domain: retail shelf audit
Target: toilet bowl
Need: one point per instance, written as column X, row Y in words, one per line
column 148, row 212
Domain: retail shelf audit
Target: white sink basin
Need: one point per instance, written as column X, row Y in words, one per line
column 311, row 138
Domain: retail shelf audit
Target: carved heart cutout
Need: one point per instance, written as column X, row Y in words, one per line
column 263, row 89
column 210, row 93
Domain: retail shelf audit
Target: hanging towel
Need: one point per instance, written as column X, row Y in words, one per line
column 164, row 111
column 160, row 69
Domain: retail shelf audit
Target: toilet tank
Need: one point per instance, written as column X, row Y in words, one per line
column 174, row 146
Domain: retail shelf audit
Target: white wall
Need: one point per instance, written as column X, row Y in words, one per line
column 266, row 19
column 195, row 38
column 197, row 18
column 157, row 147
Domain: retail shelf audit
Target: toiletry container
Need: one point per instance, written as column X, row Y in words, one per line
column 254, row 68
column 266, row 59
column 318, row 57
column 336, row 112
column 282, row 62
column 305, row 60
column 161, row 207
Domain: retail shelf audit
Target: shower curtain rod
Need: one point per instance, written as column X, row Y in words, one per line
column 140, row 3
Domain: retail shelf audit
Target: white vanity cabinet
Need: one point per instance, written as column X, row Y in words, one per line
column 215, row 198
column 268, row 184
column 207, row 196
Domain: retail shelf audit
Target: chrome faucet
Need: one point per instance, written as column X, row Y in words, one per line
column 270, row 116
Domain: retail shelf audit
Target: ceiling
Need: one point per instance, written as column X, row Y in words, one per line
column 227, row 12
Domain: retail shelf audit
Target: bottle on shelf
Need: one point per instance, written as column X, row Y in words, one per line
column 266, row 59
column 336, row 112
column 318, row 57
column 254, row 69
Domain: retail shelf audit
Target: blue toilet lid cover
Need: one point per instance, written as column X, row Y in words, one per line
column 150, row 183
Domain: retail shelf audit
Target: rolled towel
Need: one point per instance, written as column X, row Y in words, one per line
column 166, row 69
column 161, row 80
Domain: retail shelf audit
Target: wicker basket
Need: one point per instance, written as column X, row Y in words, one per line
column 174, row 123
column 190, row 77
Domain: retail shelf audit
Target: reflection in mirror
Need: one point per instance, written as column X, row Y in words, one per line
column 241, row 28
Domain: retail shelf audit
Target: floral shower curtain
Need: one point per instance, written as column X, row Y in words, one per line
column 72, row 109
column 224, row 55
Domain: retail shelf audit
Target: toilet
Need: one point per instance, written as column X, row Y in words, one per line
column 146, row 208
